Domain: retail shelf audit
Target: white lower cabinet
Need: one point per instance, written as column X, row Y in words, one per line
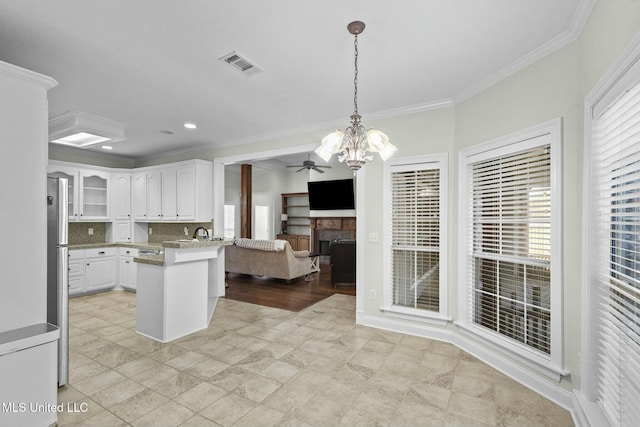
column 127, row 272
column 76, row 271
column 91, row 270
column 100, row 269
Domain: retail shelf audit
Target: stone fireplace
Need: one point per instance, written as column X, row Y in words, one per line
column 325, row 229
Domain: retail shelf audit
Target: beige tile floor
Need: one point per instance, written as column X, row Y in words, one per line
column 260, row 366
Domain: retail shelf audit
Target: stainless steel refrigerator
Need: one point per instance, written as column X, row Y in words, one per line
column 58, row 268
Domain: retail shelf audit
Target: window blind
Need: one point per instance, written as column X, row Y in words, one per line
column 615, row 156
column 511, row 246
column 415, row 238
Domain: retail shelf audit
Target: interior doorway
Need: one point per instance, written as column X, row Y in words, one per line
column 262, row 216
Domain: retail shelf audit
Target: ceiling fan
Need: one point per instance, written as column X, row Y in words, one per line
column 309, row 164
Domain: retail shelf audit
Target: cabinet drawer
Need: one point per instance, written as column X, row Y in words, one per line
column 76, row 285
column 129, row 252
column 76, row 267
column 99, row 252
column 76, row 254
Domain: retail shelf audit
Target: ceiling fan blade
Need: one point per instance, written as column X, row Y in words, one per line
column 320, row 166
column 315, row 168
column 294, row 166
column 301, row 169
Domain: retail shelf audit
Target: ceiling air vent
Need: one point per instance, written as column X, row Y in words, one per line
column 241, row 63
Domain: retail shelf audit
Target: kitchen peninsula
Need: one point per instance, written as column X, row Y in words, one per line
column 177, row 291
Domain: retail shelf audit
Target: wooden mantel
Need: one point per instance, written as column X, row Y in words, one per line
column 346, row 224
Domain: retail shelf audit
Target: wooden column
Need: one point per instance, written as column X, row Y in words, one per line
column 245, row 201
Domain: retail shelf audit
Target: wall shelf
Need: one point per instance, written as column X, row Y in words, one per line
column 296, row 228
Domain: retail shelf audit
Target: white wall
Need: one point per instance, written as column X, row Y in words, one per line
column 23, row 171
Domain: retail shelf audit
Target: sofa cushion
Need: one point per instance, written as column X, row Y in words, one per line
column 262, row 245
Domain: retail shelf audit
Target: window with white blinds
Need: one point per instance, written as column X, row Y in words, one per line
column 615, row 252
column 415, row 251
column 511, row 223
column 510, row 245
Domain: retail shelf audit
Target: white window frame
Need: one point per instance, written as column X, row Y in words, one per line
column 434, row 161
column 617, row 79
column 536, row 136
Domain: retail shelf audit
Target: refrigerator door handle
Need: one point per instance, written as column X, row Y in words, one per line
column 63, row 310
column 63, row 217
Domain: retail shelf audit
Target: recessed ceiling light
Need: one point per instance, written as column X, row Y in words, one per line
column 107, row 147
column 190, row 125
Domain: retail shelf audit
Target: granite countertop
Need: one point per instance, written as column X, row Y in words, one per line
column 139, row 245
column 176, row 244
column 195, row 243
column 158, row 259
column 150, row 259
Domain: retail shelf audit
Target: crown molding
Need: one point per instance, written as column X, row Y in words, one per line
column 575, row 28
column 20, row 73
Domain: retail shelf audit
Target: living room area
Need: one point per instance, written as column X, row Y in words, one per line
column 303, row 209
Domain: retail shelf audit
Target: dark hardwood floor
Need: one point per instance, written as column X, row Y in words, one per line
column 277, row 293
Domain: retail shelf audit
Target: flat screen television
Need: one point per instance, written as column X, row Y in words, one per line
column 331, row 195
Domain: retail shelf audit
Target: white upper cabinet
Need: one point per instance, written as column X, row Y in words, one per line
column 154, row 195
column 173, row 192
column 71, row 175
column 169, row 194
column 139, row 197
column 121, row 196
column 186, row 198
column 89, row 197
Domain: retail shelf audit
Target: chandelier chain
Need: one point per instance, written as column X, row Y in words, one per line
column 355, row 75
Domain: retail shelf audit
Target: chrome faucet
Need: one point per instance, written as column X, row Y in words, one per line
column 206, row 233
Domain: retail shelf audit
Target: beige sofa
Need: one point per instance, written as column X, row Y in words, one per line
column 284, row 264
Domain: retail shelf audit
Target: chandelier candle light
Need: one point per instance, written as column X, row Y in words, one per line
column 355, row 143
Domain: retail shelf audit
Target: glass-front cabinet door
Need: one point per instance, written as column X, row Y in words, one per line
column 94, row 195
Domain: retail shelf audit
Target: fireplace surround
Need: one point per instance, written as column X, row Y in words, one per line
column 325, row 229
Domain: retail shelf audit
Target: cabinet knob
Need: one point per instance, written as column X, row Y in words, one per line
column 101, row 253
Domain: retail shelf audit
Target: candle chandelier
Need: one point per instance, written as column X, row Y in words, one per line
column 355, row 143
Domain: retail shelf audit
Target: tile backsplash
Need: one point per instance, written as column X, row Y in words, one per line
column 162, row 231
column 79, row 233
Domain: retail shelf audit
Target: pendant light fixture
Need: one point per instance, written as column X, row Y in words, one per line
column 355, row 143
